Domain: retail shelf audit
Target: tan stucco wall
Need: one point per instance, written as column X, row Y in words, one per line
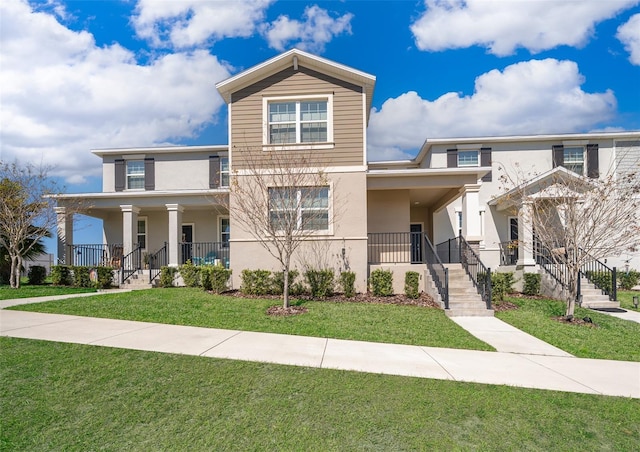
column 388, row 211
column 399, row 272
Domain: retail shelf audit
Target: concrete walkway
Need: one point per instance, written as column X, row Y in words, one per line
column 561, row 373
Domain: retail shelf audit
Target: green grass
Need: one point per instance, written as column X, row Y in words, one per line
column 612, row 338
column 45, row 290
column 59, row 396
column 412, row 325
column 625, row 297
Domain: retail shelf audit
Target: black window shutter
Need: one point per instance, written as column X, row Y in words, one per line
column 558, row 155
column 485, row 160
column 149, row 174
column 452, row 158
column 214, row 171
column 120, row 175
column 593, row 163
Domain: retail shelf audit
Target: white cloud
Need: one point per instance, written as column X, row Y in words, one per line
column 629, row 35
column 504, row 26
column 62, row 95
column 312, row 34
column 532, row 97
column 189, row 23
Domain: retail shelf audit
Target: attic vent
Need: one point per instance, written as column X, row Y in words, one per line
column 295, row 62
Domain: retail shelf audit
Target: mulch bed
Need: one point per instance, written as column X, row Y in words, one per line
column 586, row 321
column 500, row 306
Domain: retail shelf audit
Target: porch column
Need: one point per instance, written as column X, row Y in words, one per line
column 129, row 227
column 471, row 229
column 65, row 234
column 525, row 235
column 175, row 233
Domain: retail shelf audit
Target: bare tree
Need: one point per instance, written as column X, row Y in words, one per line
column 26, row 211
column 281, row 199
column 578, row 219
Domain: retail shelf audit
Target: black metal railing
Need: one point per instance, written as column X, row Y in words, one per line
column 395, row 248
column 601, row 276
column 449, row 251
column 550, row 260
column 480, row 275
column 156, row 261
column 439, row 273
column 508, row 252
column 94, row 255
column 131, row 263
column 205, row 253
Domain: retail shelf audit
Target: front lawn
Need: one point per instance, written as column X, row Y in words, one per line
column 58, row 396
column 608, row 338
column 45, row 290
column 411, row 325
column 625, row 297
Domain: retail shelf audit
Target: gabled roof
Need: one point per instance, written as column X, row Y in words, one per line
column 293, row 58
column 546, row 185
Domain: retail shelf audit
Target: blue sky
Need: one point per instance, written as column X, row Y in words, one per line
column 81, row 75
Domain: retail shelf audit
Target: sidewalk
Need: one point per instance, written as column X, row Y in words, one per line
column 561, row 373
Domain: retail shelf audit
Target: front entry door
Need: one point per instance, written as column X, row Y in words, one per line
column 416, row 243
column 187, row 242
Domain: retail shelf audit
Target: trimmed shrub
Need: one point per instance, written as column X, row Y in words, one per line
column 381, row 282
column 627, row 280
column 167, row 274
column 37, row 274
column 320, row 282
column 61, row 275
column 277, row 280
column 501, row 284
column 531, row 284
column 190, row 274
column 105, row 277
column 256, row 282
column 347, row 281
column 411, row 284
column 81, row 276
column 215, row 278
column 600, row 279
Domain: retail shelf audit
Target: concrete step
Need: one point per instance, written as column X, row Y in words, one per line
column 468, row 312
column 600, row 304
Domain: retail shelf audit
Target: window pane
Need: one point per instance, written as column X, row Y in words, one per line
column 313, row 111
column 282, row 112
column 135, row 182
column 467, row 158
column 282, row 133
column 135, row 174
column 313, row 132
column 574, row 159
column 315, row 220
column 224, row 164
column 315, row 197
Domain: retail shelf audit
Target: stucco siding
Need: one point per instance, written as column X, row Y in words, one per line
column 388, row 211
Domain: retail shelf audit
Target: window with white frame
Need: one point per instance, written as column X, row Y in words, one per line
column 299, row 208
column 468, row 158
column 135, row 174
column 298, row 121
column 224, row 171
column 142, row 233
column 225, row 231
column 574, row 159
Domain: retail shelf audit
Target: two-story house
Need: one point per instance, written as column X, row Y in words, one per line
column 175, row 203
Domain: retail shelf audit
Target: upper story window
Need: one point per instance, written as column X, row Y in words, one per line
column 305, row 121
column 468, row 158
column 135, row 174
column 299, row 208
column 224, row 171
column 574, row 159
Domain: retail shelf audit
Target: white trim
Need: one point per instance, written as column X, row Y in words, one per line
column 146, row 231
column 509, row 218
column 364, row 128
column 219, row 219
column 160, row 150
column 309, row 170
column 468, row 147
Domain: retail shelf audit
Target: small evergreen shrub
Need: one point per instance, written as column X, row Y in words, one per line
column 347, row 281
column 167, row 274
column 501, row 284
column 277, row 280
column 627, row 280
column 105, row 277
column 320, row 282
column 81, row 276
column 600, row 279
column 381, row 283
column 256, row 282
column 37, row 274
column 215, row 278
column 411, row 284
column 190, row 274
column 531, row 284
column 61, row 275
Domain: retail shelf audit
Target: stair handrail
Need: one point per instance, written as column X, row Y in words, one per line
column 439, row 273
column 157, row 260
column 131, row 263
column 544, row 259
column 479, row 273
column 600, row 275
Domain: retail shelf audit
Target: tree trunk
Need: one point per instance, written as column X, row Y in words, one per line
column 573, row 293
column 285, row 292
column 16, row 265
